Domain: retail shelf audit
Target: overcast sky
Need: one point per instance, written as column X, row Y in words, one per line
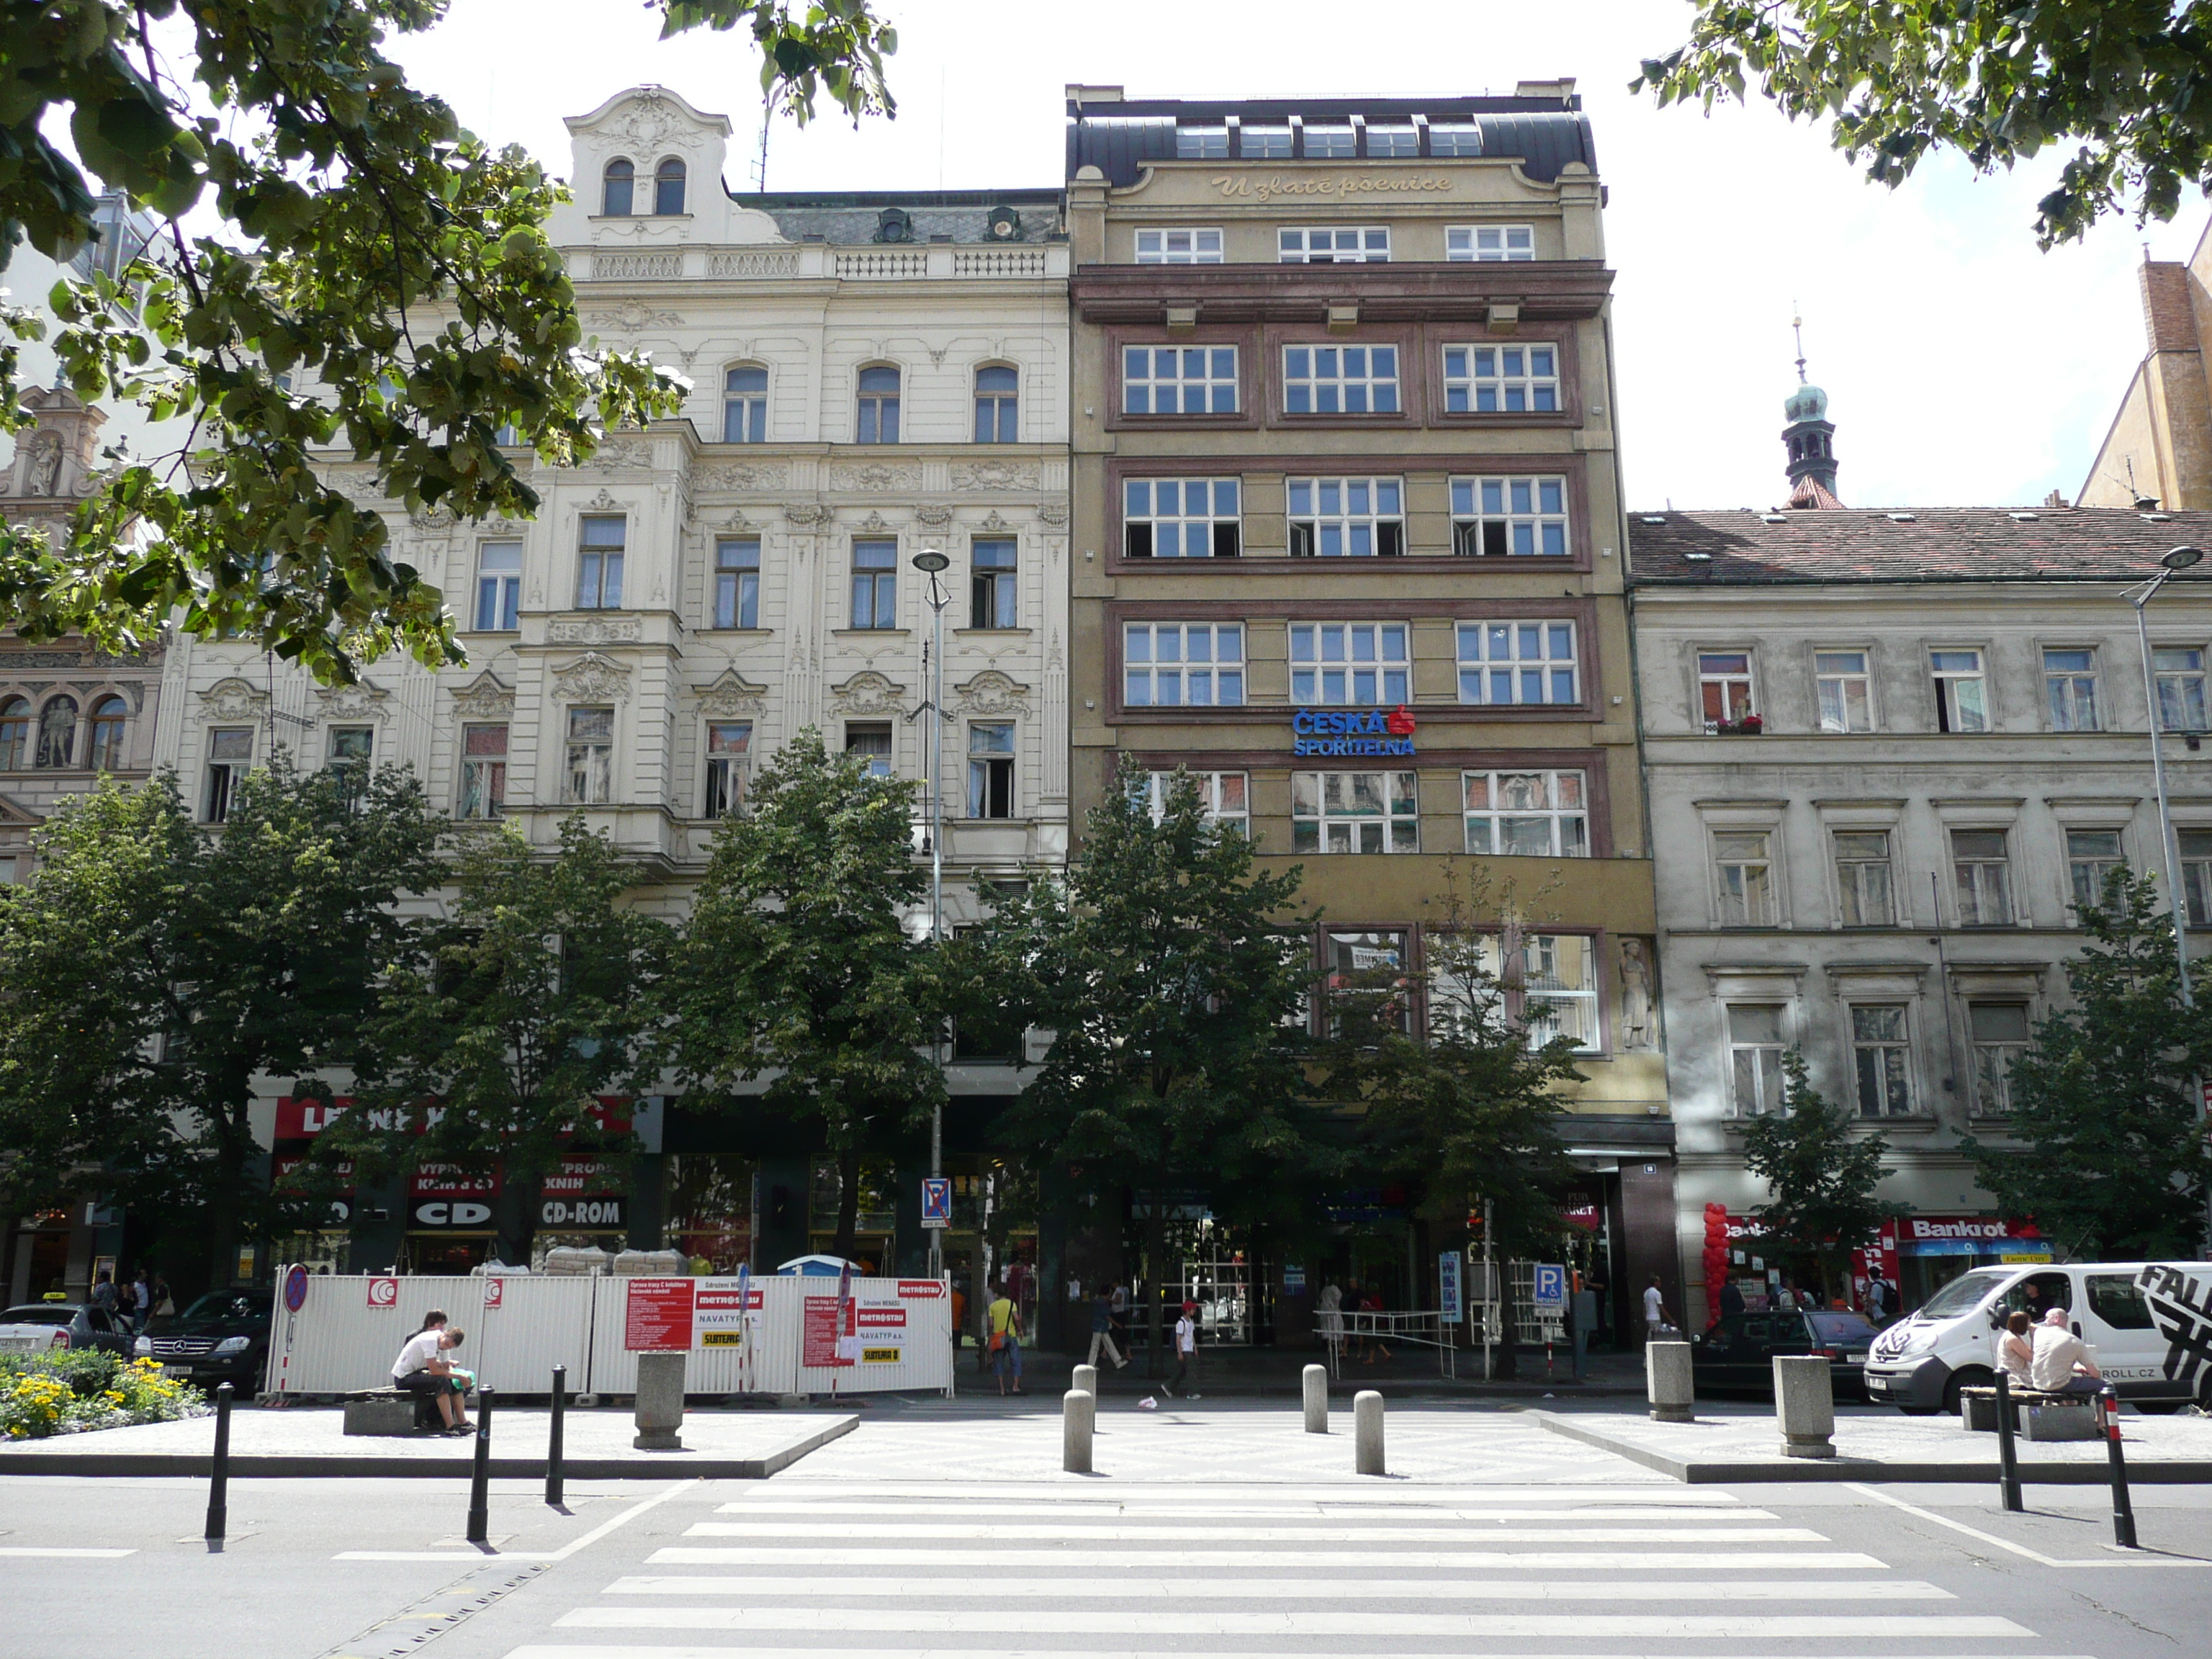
column 1963, row 367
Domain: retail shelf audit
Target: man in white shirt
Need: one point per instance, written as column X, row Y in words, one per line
column 2062, row 1363
column 423, row 1368
column 1655, row 1309
column 1186, row 1347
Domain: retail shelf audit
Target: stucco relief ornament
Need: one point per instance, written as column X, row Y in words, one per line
column 595, row 630
column 1054, row 513
column 651, row 122
column 592, row 679
column 619, row 453
column 993, row 524
column 875, row 477
column 732, row 695
column 807, row 512
column 869, row 693
column 874, row 525
column 993, row 693
column 993, row 475
column 234, row 699
column 353, row 702
column 633, row 315
column 485, row 697
column 431, row 518
column 934, row 515
column 604, row 502
column 736, row 475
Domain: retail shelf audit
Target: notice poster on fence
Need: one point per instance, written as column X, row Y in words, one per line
column 722, row 1311
column 657, row 1315
column 819, row 1343
column 879, row 1323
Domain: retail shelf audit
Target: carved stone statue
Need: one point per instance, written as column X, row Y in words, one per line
column 45, row 477
column 1635, row 995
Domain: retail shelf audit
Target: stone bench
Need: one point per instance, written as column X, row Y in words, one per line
column 2040, row 1416
column 389, row 1412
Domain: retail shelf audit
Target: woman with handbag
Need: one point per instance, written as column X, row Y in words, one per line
column 1006, row 1342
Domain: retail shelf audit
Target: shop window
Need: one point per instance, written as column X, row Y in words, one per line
column 1724, row 689
column 1527, row 814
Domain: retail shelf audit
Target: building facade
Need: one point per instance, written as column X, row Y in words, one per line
column 2158, row 450
column 1348, row 550
column 1889, row 754
column 872, row 376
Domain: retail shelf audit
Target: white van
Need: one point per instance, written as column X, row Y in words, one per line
column 2149, row 1322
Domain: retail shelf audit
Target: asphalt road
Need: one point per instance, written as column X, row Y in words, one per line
column 912, row 1537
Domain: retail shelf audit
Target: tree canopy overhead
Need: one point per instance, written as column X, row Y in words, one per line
column 369, row 245
column 2126, row 83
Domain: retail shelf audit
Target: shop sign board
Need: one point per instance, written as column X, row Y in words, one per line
column 1352, row 731
column 722, row 1311
column 920, row 1290
column 657, row 1315
column 1448, row 1292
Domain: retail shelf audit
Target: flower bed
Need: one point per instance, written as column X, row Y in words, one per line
column 70, row 1393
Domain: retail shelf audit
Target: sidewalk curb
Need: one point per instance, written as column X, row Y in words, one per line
column 657, row 1465
column 1872, row 1471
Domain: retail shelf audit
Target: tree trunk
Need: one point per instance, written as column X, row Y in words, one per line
column 233, row 1140
column 1156, row 1264
column 848, row 1202
column 515, row 1213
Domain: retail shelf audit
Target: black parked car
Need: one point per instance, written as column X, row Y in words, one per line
column 1738, row 1352
column 33, row 1326
column 222, row 1337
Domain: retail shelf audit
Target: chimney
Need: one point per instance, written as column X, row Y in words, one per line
column 2168, row 318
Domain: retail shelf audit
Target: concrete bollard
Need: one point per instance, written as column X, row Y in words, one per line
column 1805, row 1405
column 1367, row 1432
column 1086, row 1378
column 660, row 1401
column 1316, row 1381
column 1079, row 1414
column 1667, row 1382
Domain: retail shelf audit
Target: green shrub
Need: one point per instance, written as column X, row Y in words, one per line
column 66, row 1392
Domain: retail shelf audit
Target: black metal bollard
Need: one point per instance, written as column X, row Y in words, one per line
column 218, row 1515
column 2008, row 1455
column 555, row 1479
column 2124, row 1514
column 480, row 1476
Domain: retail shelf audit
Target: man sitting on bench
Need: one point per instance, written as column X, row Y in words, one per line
column 423, row 1368
column 2062, row 1363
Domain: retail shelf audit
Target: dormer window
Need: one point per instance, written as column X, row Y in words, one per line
column 621, row 187
column 668, row 188
column 894, row 225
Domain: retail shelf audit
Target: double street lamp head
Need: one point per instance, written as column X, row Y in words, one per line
column 932, row 561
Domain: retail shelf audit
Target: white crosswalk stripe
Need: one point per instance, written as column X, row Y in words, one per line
column 1323, row 1572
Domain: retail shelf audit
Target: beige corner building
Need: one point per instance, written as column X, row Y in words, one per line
column 2159, row 452
column 1348, row 538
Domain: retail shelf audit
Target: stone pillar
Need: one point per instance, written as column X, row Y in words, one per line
column 1316, row 1401
column 1085, row 1378
column 660, row 1401
column 1079, row 1412
column 1667, row 1382
column 1367, row 1432
column 1805, row 1405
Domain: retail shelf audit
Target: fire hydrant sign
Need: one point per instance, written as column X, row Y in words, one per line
column 819, row 1340
column 657, row 1317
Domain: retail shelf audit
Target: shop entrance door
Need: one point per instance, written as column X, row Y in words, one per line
column 1221, row 1275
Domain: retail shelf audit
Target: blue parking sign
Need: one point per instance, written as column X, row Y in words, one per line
column 1551, row 1290
column 936, row 1200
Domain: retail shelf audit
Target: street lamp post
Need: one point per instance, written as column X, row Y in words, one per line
column 2176, row 559
column 930, row 562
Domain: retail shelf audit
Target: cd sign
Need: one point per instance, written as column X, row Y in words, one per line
column 1325, row 731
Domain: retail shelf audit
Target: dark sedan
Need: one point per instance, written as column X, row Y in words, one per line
column 1739, row 1352
column 32, row 1325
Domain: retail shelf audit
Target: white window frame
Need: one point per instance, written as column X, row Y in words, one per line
column 2069, row 692
column 1853, row 881
column 725, row 771
column 1501, row 659
column 1333, row 245
column 1221, row 501
column 1208, row 370
column 1492, row 376
column 985, row 765
column 737, row 581
column 1180, row 245
column 1894, row 1081
column 1767, row 1078
column 482, row 797
column 1537, row 950
column 1993, row 1056
column 1711, row 669
column 1226, row 797
column 1563, row 814
column 1527, row 511
column 225, row 772
column 1979, row 894
column 2181, row 698
column 1201, row 143
column 352, row 768
column 600, row 564
column 1323, row 378
column 2085, row 869
column 1839, row 711
column 745, row 413
column 1488, row 245
column 1962, row 693
column 1222, row 664
column 874, row 618
column 1332, row 134
column 1319, row 680
column 498, row 589
column 881, row 761
column 2194, row 842
column 1744, row 887
column 588, row 779
column 1353, row 518
column 1320, row 814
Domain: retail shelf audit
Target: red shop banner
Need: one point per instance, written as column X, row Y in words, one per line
column 302, row 1118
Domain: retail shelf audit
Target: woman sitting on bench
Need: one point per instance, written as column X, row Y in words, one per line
column 2016, row 1351
column 423, row 1368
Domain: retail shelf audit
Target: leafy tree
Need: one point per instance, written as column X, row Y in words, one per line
column 153, row 970
column 1466, row 1110
column 1163, row 967
column 2122, row 81
column 1822, row 1174
column 2109, row 1156
column 495, row 1039
column 799, row 965
column 380, row 281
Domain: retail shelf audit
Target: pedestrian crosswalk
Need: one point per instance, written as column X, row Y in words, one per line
column 989, row 1570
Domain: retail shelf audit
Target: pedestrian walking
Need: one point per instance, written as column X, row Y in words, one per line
column 142, row 1299
column 1355, row 1340
column 1186, row 1346
column 1372, row 1304
column 1655, row 1310
column 103, row 1293
column 1006, row 1342
column 1731, row 1297
column 1880, row 1298
column 1119, row 1304
column 1101, row 1331
column 1331, row 1309
column 959, row 1316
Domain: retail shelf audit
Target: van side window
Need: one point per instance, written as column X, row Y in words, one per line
column 2117, row 1300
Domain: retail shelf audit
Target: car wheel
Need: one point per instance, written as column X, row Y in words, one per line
column 1957, row 1380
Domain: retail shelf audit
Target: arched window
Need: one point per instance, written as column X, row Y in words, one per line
column 995, row 406
column 744, row 405
column 107, row 717
column 614, row 202
column 879, row 407
column 57, row 732
column 668, row 187
column 15, row 734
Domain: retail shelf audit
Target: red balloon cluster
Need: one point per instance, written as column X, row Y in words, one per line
column 1716, row 1259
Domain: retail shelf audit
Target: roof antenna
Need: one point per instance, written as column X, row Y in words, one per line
column 1797, row 328
column 760, row 162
